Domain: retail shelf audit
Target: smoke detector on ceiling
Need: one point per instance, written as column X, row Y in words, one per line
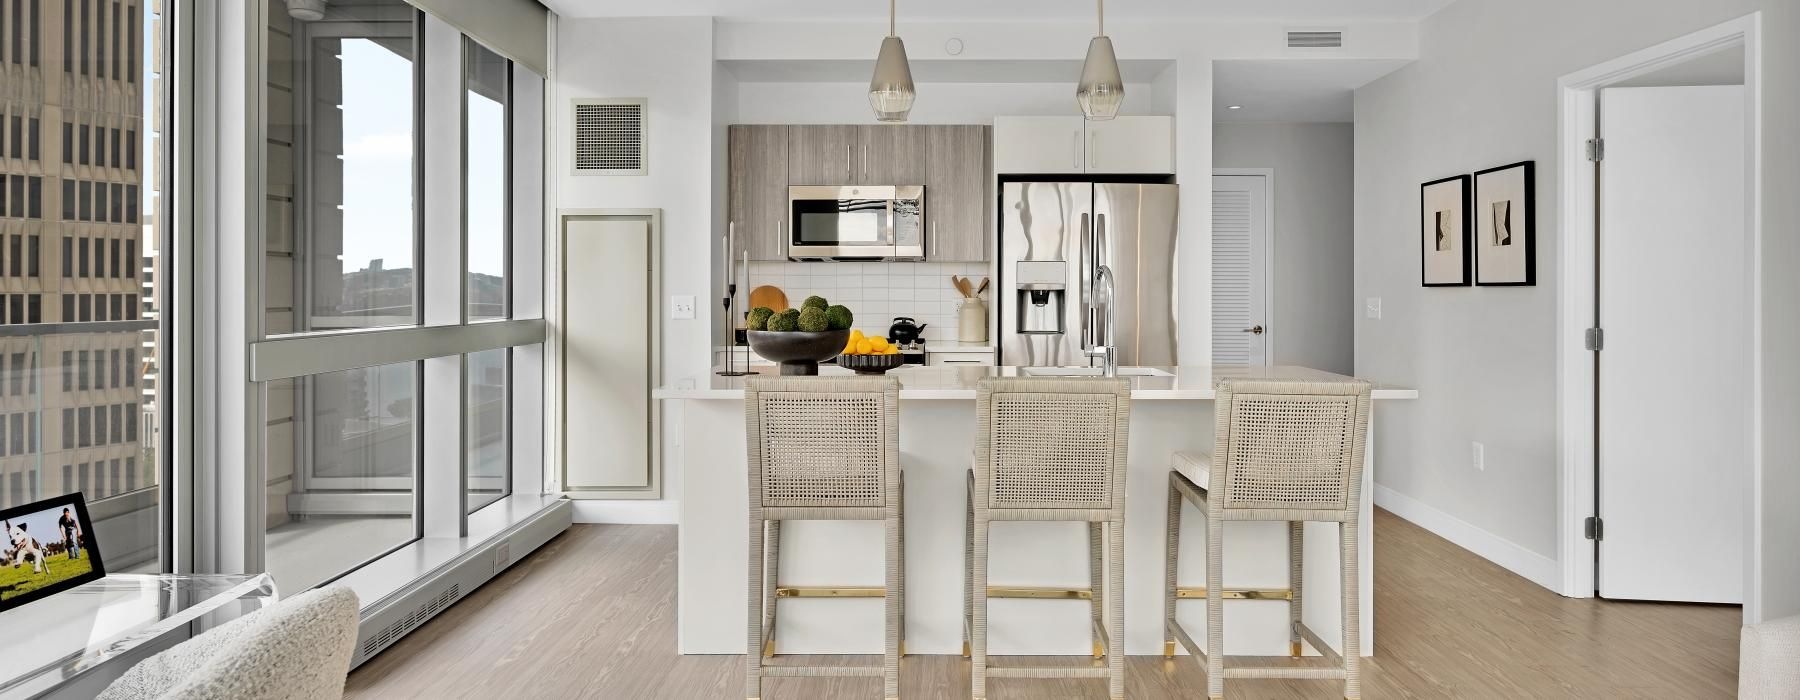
column 306, row 10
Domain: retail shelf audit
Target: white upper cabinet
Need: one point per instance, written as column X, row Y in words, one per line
column 1074, row 145
column 1134, row 145
column 1039, row 145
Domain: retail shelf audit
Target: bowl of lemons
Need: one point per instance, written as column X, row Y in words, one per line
column 869, row 354
column 799, row 339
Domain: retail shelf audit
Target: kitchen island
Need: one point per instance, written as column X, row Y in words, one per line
column 1171, row 410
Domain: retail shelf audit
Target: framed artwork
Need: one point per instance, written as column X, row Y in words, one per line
column 1505, row 226
column 49, row 547
column 1444, row 232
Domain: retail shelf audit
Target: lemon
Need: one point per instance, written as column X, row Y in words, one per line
column 878, row 342
column 890, row 350
column 856, row 335
column 864, row 347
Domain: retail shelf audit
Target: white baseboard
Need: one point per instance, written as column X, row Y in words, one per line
column 1536, row 568
column 660, row 512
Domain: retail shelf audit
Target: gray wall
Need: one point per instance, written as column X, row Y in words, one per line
column 1313, row 316
column 1484, row 359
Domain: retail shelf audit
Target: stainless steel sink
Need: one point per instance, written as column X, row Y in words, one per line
column 1093, row 372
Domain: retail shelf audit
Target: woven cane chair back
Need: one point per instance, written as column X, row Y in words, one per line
column 825, row 442
column 1290, row 445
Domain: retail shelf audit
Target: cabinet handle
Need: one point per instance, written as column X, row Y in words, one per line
column 1077, row 144
column 931, row 239
column 865, row 160
column 1094, row 149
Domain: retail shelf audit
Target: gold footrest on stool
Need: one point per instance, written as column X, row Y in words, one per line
column 826, row 592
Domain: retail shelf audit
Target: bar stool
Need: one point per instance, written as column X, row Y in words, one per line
column 1050, row 450
column 821, row 449
column 1290, row 451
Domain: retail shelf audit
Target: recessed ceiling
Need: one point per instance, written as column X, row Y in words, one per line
column 1309, row 10
column 1293, row 90
column 935, row 71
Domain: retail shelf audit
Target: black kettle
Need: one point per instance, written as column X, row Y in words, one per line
column 904, row 331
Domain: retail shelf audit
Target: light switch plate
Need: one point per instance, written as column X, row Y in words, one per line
column 1372, row 308
column 681, row 307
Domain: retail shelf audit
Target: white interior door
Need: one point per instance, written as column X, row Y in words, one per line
column 1674, row 373
column 1240, row 217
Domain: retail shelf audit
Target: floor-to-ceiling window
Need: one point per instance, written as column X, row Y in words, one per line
column 389, row 332
column 83, row 165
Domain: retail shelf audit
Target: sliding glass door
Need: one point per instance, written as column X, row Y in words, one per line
column 384, row 363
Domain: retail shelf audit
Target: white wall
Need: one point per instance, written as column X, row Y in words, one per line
column 1484, row 358
column 667, row 61
column 1312, row 319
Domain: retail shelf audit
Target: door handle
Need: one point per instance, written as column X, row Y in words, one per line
column 1256, row 329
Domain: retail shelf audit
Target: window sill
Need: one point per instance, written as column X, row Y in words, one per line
column 396, row 573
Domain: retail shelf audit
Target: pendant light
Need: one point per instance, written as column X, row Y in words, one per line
column 891, row 89
column 1101, row 89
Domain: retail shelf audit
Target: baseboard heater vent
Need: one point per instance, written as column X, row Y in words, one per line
column 389, row 620
column 1315, row 39
column 411, row 621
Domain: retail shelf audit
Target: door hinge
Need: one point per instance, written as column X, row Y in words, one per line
column 1594, row 528
column 1596, row 149
column 1594, row 339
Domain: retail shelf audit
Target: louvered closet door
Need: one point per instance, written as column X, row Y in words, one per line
column 1240, row 270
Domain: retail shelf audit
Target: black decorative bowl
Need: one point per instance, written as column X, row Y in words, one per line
column 798, row 352
column 871, row 364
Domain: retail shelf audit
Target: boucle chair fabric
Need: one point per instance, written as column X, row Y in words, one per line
column 298, row 649
column 821, row 448
column 1050, row 450
column 1769, row 660
column 1283, row 450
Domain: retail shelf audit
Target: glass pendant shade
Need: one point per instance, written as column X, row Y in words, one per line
column 891, row 90
column 1102, row 88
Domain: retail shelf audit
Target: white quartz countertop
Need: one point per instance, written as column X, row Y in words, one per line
column 954, row 383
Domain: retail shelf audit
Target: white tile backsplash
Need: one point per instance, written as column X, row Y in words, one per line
column 877, row 292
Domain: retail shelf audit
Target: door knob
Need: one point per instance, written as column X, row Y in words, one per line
column 1257, row 329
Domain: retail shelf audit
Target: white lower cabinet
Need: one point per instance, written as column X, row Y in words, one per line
column 952, row 359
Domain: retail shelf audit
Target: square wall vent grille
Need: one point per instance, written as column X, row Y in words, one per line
column 1315, row 39
column 609, row 137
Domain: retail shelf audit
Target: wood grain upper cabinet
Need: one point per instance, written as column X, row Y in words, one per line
column 759, row 189
column 957, row 200
column 890, row 154
column 823, row 155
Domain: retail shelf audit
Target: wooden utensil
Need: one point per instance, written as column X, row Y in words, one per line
column 770, row 296
column 962, row 285
column 983, row 287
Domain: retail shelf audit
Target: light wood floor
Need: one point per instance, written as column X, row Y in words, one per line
column 592, row 615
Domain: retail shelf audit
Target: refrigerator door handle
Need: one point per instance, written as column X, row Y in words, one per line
column 1085, row 279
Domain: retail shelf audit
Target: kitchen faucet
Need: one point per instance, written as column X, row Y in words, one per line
column 1106, row 346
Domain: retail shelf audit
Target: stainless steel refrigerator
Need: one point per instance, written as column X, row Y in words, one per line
column 1052, row 237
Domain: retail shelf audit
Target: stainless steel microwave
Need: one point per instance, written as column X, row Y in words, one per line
column 856, row 222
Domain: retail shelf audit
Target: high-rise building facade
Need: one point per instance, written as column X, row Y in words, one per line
column 78, row 339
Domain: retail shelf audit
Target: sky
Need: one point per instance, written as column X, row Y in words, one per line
column 378, row 151
column 41, row 525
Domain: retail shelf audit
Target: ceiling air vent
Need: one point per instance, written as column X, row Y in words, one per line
column 609, row 137
column 1315, row 39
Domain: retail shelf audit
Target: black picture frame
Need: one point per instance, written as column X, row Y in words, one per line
column 90, row 547
column 1527, row 215
column 1426, row 233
